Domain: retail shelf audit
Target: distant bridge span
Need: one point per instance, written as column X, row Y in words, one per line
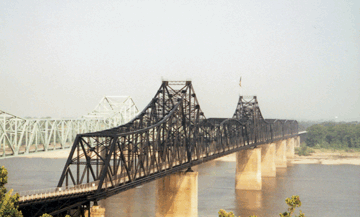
column 171, row 134
column 23, row 136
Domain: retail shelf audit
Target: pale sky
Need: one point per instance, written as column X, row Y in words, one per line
column 301, row 58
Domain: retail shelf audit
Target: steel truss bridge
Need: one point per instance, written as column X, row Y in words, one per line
column 22, row 136
column 171, row 134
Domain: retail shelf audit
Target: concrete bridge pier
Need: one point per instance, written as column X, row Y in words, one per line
column 177, row 195
column 290, row 150
column 248, row 169
column 268, row 167
column 297, row 141
column 280, row 158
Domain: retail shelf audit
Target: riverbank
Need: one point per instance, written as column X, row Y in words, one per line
column 326, row 157
column 329, row 157
column 49, row 154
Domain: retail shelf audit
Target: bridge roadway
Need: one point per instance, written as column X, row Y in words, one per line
column 170, row 135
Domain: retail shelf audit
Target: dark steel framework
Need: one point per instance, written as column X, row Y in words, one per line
column 169, row 135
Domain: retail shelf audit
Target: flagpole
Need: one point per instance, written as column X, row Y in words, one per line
column 240, row 90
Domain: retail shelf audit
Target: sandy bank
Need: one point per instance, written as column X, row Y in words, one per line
column 326, row 158
column 49, row 154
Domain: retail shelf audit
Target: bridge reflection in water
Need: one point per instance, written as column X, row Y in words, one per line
column 170, row 135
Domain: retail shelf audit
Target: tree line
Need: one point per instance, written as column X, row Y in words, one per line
column 334, row 135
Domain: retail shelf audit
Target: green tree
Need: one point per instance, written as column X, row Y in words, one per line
column 292, row 202
column 8, row 207
column 315, row 135
column 334, row 135
column 223, row 213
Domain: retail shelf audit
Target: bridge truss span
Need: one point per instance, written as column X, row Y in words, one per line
column 171, row 134
column 162, row 136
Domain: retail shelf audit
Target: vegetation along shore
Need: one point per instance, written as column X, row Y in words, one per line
column 330, row 143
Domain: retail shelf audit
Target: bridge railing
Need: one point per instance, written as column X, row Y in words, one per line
column 55, row 192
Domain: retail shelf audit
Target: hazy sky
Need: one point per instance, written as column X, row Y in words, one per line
column 301, row 58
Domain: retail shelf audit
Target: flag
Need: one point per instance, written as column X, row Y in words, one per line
column 240, row 82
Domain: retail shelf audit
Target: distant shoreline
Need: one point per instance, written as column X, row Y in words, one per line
column 325, row 158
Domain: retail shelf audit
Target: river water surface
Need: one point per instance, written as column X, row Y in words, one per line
column 324, row 190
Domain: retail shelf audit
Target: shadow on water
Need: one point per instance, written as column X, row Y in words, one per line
column 249, row 201
column 139, row 201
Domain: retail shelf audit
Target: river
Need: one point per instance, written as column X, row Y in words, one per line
column 325, row 190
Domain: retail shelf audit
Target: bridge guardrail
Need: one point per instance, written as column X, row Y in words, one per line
column 58, row 191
